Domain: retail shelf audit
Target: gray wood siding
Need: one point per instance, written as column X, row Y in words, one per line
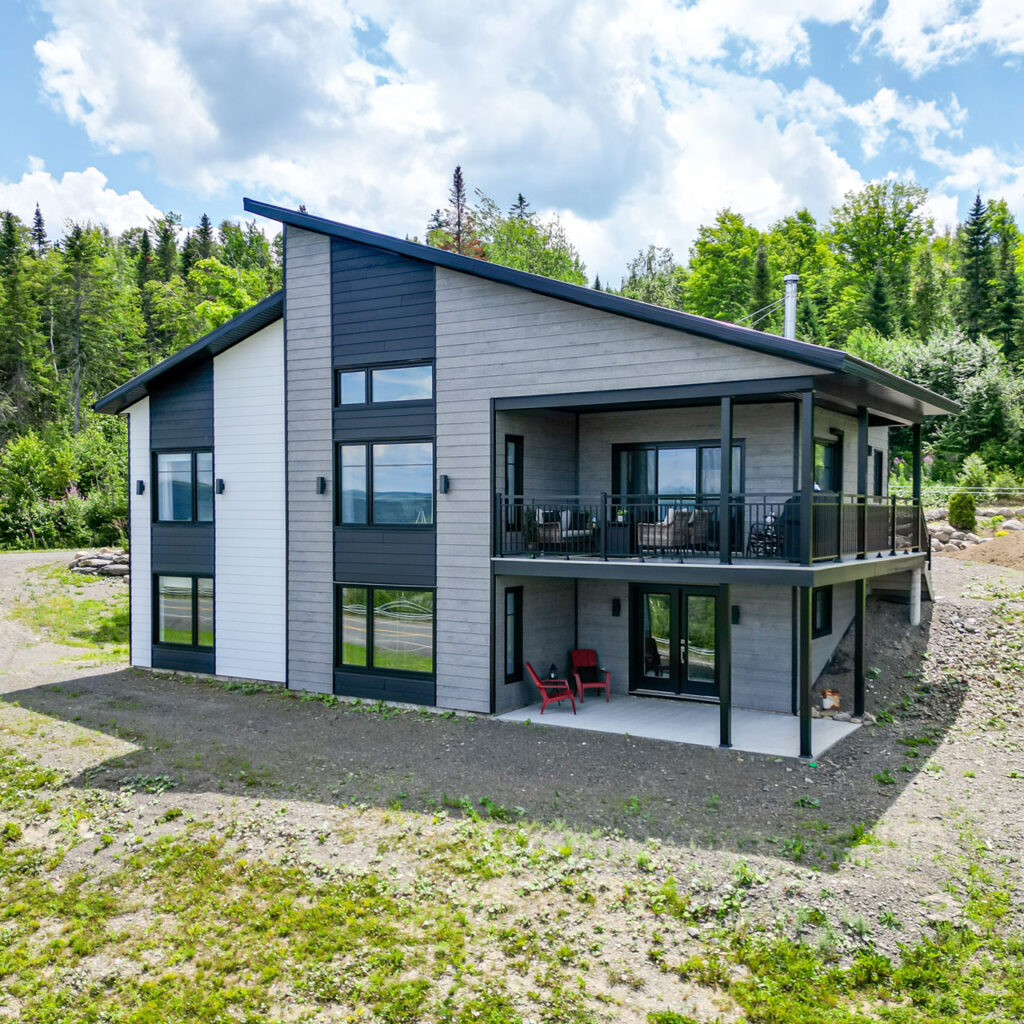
column 308, row 407
column 183, row 547
column 549, row 451
column 390, row 556
column 762, row 653
column 766, row 430
column 181, row 412
column 383, row 305
column 495, row 340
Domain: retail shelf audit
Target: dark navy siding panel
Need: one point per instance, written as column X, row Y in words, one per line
column 181, row 411
column 377, row 687
column 385, row 557
column 183, row 547
column 183, row 660
column 382, row 305
column 384, row 423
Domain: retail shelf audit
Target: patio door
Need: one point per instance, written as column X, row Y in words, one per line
column 674, row 642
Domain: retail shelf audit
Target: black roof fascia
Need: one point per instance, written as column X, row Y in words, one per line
column 237, row 329
column 832, row 359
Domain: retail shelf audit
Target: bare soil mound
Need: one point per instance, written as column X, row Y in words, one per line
column 1007, row 551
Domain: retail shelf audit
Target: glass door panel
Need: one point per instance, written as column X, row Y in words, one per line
column 658, row 622
column 677, row 471
column 698, row 655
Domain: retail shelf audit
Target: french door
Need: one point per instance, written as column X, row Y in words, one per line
column 674, row 642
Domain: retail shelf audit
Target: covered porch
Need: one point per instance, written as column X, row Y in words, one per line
column 755, row 732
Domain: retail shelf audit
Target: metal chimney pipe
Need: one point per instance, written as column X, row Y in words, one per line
column 789, row 307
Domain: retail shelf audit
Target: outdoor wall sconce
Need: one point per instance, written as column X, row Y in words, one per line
column 321, row 485
column 220, row 486
column 735, row 614
column 443, row 483
column 616, row 607
column 140, row 487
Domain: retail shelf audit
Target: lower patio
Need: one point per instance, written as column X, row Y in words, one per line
column 754, row 732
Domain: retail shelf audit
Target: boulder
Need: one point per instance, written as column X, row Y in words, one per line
column 936, row 514
column 1011, row 524
column 958, row 535
column 945, row 535
column 972, row 538
column 1018, row 513
column 937, row 545
column 114, row 570
column 1006, row 513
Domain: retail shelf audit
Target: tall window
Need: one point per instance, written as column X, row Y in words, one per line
column 826, row 465
column 821, row 611
column 382, row 629
column 379, row 385
column 513, row 634
column 184, row 611
column 184, row 487
column 676, row 470
column 389, row 483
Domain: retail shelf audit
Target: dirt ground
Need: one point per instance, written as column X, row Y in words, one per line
column 946, row 756
column 1006, row 551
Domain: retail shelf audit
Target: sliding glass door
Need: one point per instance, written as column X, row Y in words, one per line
column 674, row 643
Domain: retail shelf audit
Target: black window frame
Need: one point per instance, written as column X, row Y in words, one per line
column 194, row 519
column 516, row 595
column 821, row 625
column 195, row 645
column 835, row 446
column 369, row 668
column 699, row 494
column 370, row 522
column 368, row 401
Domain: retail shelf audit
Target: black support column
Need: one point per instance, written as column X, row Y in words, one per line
column 723, row 654
column 804, row 597
column 725, row 486
column 915, row 440
column 860, row 603
column 862, row 481
column 806, row 476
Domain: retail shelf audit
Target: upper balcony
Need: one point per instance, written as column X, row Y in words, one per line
column 762, row 528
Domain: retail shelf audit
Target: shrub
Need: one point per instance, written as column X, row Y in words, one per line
column 962, row 511
column 1005, row 486
column 974, row 472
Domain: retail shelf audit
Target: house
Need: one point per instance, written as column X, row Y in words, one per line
column 409, row 472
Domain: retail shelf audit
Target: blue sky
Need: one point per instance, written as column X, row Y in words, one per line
column 632, row 120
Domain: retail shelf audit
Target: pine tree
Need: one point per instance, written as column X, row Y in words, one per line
column 39, row 243
column 808, row 323
column 436, row 222
column 144, row 267
column 760, row 289
column 458, row 210
column 189, row 254
column 204, row 238
column 10, row 245
column 878, row 305
column 597, row 282
column 925, row 294
column 166, row 254
column 520, row 209
column 977, row 270
column 1008, row 311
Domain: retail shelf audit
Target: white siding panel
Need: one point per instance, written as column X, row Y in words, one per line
column 141, row 580
column 248, row 428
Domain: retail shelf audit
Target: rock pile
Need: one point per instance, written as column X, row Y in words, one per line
column 944, row 537
column 105, row 562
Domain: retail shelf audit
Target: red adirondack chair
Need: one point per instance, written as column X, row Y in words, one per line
column 587, row 675
column 552, row 690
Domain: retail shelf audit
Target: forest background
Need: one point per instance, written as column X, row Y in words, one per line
column 84, row 311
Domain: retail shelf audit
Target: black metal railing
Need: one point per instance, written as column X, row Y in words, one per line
column 665, row 526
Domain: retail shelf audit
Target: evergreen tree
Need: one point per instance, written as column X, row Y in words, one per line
column 808, row 323
column 977, row 270
column 10, row 244
column 1008, row 310
column 436, row 223
column 189, row 254
column 166, row 254
column 39, row 242
column 760, row 289
column 878, row 305
column 144, row 267
column 925, row 294
column 597, row 282
column 520, row 209
column 458, row 211
column 204, row 238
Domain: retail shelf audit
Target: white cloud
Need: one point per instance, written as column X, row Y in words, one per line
column 78, row 196
column 921, row 34
column 922, row 121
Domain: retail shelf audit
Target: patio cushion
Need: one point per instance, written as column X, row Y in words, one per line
column 589, row 674
column 572, row 520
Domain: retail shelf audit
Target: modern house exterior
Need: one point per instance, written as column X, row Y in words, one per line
column 409, row 472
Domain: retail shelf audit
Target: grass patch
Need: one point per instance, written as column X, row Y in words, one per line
column 85, row 622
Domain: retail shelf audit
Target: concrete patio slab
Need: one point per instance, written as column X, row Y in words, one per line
column 756, row 732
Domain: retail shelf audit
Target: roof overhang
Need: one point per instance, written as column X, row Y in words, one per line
column 887, row 386
column 235, row 330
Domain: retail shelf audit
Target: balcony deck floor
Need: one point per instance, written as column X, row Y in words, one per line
column 678, row 721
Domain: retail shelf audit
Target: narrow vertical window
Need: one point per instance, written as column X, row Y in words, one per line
column 352, row 474
column 353, row 614
column 821, row 617
column 204, row 487
column 352, row 387
column 174, row 610
column 513, row 634
column 204, row 612
column 174, row 486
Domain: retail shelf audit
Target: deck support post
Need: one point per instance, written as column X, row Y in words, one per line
column 915, row 597
column 723, row 654
column 915, row 446
column 806, row 476
column 859, row 611
column 804, row 600
column 725, row 486
column 862, row 481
